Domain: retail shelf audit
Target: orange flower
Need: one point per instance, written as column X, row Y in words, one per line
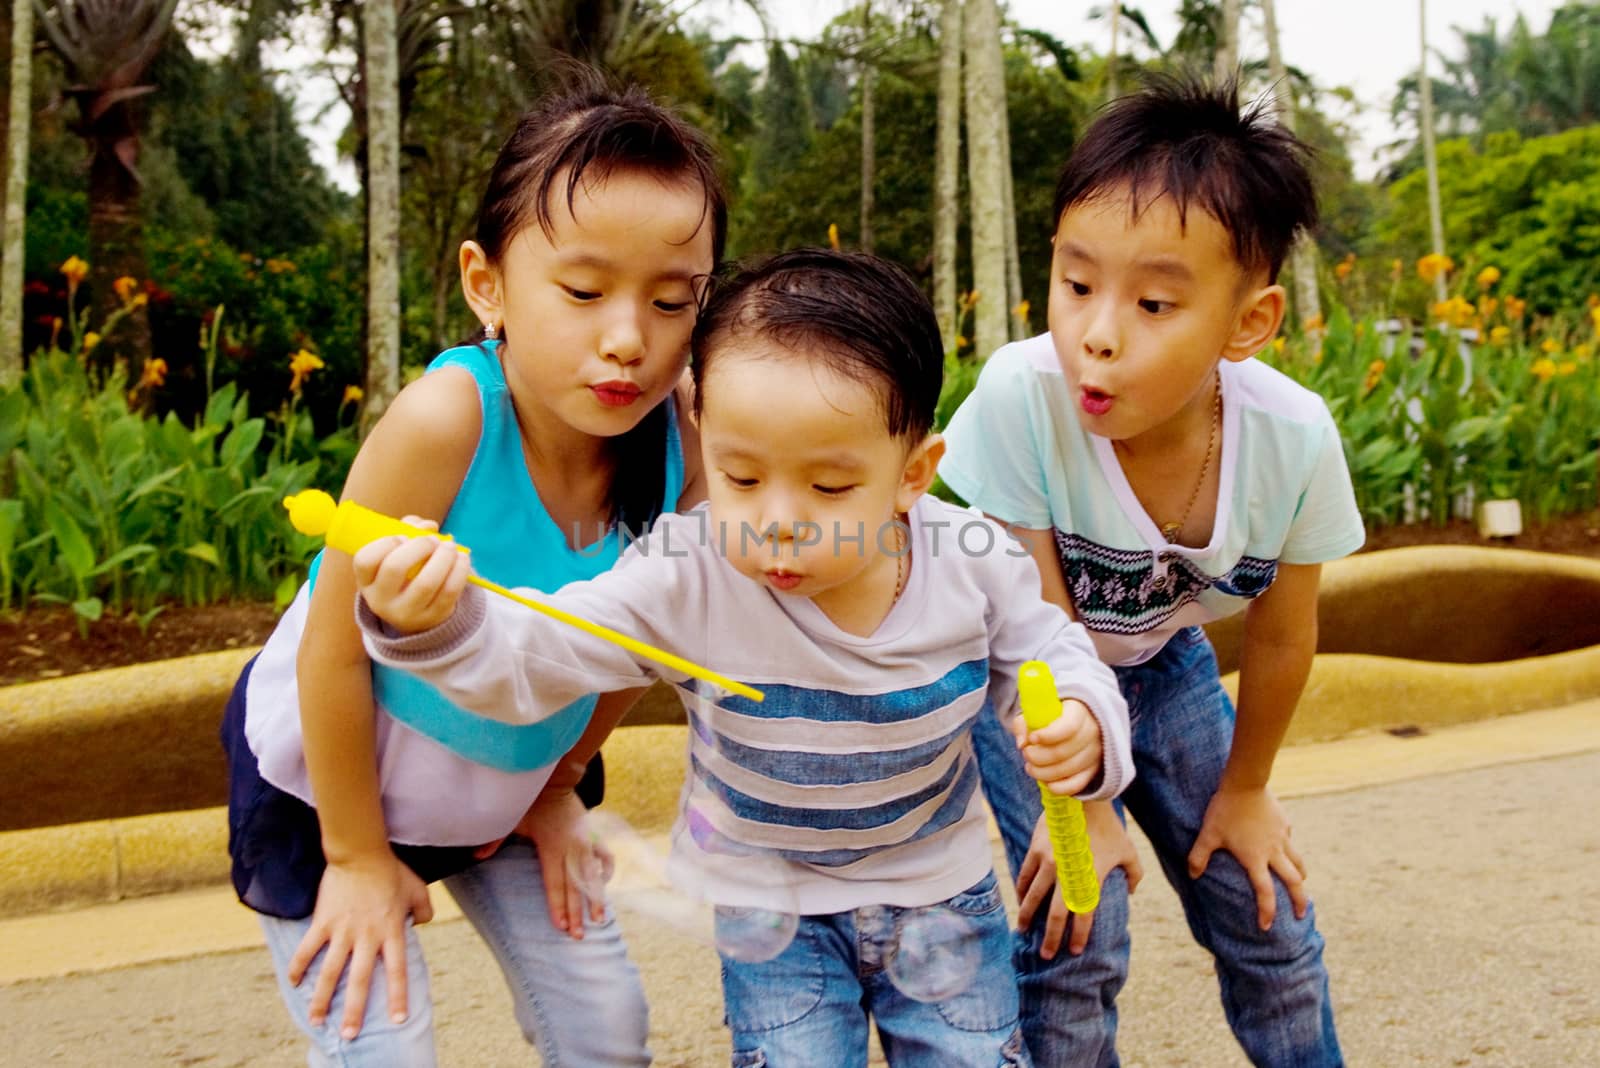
column 352, row 395
column 1487, row 306
column 1515, row 307
column 1433, row 265
column 154, row 375
column 1594, row 313
column 301, row 364
column 125, row 286
column 1543, row 369
column 961, row 342
column 1021, row 310
column 1549, row 346
column 1500, row 335
column 1488, row 277
column 75, row 271
column 90, row 340
column 1374, row 375
column 1342, row 271
column 1314, row 324
column 833, row 236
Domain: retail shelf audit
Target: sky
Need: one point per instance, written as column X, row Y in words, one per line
column 1365, row 45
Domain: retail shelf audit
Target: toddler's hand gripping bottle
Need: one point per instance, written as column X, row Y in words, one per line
column 1069, row 835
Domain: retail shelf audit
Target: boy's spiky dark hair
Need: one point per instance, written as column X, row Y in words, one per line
column 1189, row 140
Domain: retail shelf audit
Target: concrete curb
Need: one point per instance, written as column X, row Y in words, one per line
column 139, row 743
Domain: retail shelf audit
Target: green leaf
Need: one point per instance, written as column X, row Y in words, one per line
column 204, row 550
column 90, row 608
column 154, row 482
column 288, row 586
column 74, row 546
column 241, row 442
column 219, row 409
column 122, row 556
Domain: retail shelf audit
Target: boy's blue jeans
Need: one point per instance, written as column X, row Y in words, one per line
column 1273, row 983
column 810, row 1004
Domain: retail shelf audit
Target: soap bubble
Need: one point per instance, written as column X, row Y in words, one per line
column 753, row 935
column 936, row 953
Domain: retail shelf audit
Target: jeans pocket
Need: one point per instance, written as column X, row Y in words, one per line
column 1014, row 1054
column 980, row 899
column 776, row 993
column 989, row 1002
column 749, row 1058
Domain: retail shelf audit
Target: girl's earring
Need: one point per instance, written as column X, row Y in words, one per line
column 490, row 331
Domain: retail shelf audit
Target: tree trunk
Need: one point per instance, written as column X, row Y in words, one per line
column 1014, row 325
column 19, row 118
column 1225, row 64
column 986, row 173
column 1430, row 155
column 116, row 232
column 383, row 209
column 1112, row 91
column 947, row 172
column 869, row 134
column 1303, row 256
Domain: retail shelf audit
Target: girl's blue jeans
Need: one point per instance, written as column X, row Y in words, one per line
column 577, row 1002
column 810, row 1005
column 1273, row 983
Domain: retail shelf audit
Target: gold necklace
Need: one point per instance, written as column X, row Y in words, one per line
column 1170, row 531
column 901, row 566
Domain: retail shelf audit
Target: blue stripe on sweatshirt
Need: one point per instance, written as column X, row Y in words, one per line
column 829, row 706
column 826, row 769
column 947, row 815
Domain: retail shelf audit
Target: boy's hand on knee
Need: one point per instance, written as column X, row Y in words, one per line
column 412, row 584
column 1065, row 755
column 1112, row 848
column 1249, row 823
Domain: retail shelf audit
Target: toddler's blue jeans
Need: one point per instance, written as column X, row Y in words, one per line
column 810, row 1005
column 1273, row 983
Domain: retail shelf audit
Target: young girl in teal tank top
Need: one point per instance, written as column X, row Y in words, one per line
column 542, row 447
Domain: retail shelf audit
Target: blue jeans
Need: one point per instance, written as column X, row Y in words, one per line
column 577, row 1002
column 1273, row 983
column 810, row 1005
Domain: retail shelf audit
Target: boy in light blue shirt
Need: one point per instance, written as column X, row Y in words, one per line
column 1162, row 478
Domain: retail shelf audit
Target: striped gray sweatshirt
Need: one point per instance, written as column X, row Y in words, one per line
column 854, row 782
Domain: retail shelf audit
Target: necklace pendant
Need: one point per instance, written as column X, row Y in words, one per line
column 1169, row 531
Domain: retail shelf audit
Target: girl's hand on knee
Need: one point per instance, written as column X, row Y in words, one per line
column 1249, row 823
column 1065, row 755
column 412, row 584
column 360, row 916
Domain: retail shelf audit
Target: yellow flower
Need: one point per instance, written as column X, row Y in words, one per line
column 1543, row 369
column 1396, row 269
column 1314, row 324
column 961, row 342
column 301, row 365
column 1433, row 265
column 279, row 266
column 1515, row 307
column 1278, row 344
column 1566, row 367
column 75, row 270
column 139, row 300
column 154, row 374
column 125, row 286
column 352, row 395
column 1361, row 330
column 833, row 236
column 1374, row 375
column 1488, row 277
column 1487, row 306
column 1582, row 352
column 90, row 340
column 1593, row 301
column 1500, row 335
column 1549, row 346
column 1342, row 271
column 1594, row 314
column 969, row 300
column 1021, row 310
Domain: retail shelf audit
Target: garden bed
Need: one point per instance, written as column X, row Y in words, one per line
column 43, row 643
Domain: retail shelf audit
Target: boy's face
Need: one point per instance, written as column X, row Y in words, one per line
column 1142, row 309
column 791, row 444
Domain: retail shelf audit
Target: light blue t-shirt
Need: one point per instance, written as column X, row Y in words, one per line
column 1017, row 451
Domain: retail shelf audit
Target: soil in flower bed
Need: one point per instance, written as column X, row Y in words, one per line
column 43, row 643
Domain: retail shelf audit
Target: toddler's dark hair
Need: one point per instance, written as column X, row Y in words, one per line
column 861, row 316
column 1189, row 140
column 588, row 129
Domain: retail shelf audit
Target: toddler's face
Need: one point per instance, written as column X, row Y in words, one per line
column 804, row 478
column 1141, row 309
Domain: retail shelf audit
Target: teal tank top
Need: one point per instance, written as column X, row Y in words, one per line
column 515, row 542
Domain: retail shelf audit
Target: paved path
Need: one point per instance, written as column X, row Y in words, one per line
column 1462, row 911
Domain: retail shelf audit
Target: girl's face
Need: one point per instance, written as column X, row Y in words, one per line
column 596, row 315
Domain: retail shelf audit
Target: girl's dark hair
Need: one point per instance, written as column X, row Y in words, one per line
column 858, row 315
column 587, row 129
column 1189, row 140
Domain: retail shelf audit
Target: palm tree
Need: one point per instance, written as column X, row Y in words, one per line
column 986, row 169
column 1112, row 56
column 869, row 139
column 107, row 47
column 1430, row 155
column 1226, row 62
column 1303, row 256
column 947, row 171
column 19, row 115
column 382, row 84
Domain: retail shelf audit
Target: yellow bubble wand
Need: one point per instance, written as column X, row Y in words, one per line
column 1069, row 834
column 347, row 526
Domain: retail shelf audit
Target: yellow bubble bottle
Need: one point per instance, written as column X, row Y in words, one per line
column 1069, row 835
column 346, row 525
